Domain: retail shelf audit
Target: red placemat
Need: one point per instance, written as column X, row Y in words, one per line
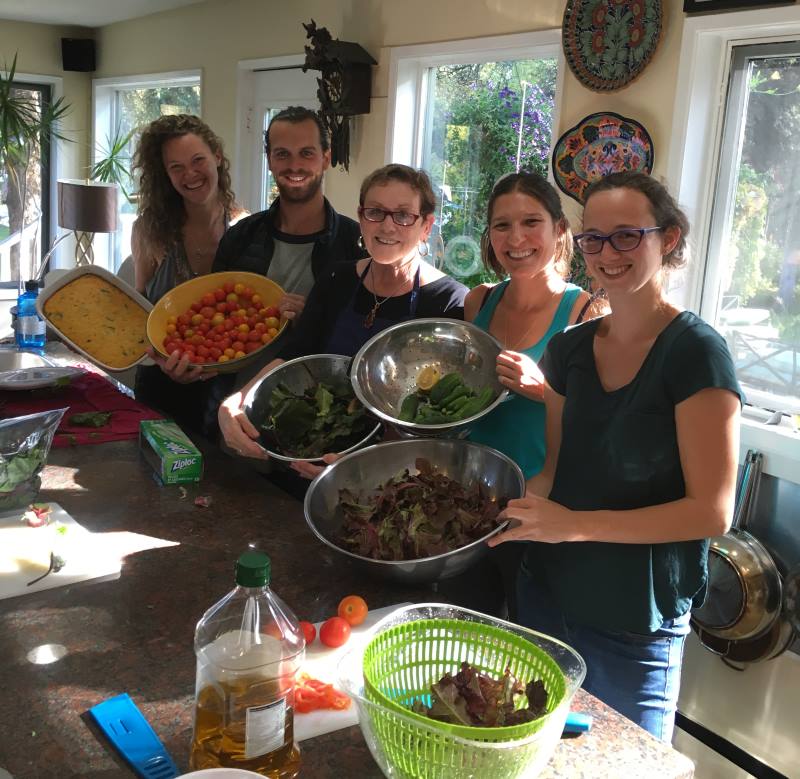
column 86, row 393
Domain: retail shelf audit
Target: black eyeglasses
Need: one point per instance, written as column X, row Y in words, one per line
column 402, row 218
column 622, row 240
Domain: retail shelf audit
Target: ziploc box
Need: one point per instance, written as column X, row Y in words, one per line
column 174, row 458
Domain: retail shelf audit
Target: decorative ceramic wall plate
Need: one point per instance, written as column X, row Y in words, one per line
column 608, row 43
column 598, row 145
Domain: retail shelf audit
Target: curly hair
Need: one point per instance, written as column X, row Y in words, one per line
column 537, row 187
column 161, row 213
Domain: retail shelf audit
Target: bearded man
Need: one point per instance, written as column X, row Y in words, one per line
column 293, row 241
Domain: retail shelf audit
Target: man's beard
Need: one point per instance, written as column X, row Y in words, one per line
column 301, row 195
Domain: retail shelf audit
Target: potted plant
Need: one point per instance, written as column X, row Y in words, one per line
column 27, row 127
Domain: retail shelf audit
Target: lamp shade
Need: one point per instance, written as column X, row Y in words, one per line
column 87, row 206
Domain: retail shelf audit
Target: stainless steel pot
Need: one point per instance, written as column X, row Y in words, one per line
column 773, row 642
column 744, row 585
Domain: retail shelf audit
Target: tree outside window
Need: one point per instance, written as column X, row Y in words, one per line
column 474, row 115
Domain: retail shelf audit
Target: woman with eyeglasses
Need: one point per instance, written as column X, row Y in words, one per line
column 642, row 442
column 352, row 303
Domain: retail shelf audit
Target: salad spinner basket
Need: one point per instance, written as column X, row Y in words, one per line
column 413, row 648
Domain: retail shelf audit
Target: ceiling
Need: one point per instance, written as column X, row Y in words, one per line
column 84, row 13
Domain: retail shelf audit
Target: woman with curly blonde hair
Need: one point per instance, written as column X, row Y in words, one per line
column 185, row 202
column 185, row 205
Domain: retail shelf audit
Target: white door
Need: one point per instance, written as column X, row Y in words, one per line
column 265, row 88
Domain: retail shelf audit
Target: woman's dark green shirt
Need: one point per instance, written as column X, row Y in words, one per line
column 619, row 450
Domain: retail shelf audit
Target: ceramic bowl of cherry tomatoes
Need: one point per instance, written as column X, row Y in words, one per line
column 221, row 320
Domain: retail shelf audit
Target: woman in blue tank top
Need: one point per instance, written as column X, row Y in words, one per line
column 527, row 242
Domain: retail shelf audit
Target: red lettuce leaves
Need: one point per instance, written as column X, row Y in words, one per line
column 478, row 700
column 416, row 515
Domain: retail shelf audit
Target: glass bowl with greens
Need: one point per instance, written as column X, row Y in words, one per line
column 306, row 408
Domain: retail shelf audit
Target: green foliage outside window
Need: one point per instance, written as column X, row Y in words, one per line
column 474, row 138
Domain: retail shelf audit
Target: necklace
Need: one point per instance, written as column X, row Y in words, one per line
column 209, row 247
column 519, row 341
column 369, row 320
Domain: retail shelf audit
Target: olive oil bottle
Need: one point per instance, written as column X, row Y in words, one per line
column 249, row 647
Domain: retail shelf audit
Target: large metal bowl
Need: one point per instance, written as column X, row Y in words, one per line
column 385, row 369
column 368, row 468
column 299, row 375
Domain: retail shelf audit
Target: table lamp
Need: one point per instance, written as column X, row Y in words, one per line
column 86, row 208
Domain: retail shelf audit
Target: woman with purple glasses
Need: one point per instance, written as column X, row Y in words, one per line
column 642, row 418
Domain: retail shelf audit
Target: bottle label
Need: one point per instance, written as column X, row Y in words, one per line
column 30, row 326
column 265, row 728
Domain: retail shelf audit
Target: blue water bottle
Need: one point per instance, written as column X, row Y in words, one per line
column 30, row 326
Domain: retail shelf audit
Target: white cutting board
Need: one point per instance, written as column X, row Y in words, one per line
column 322, row 663
column 25, row 554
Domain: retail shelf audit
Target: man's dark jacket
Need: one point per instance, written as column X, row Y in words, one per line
column 249, row 245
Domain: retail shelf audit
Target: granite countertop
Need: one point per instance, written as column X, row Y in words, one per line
column 134, row 634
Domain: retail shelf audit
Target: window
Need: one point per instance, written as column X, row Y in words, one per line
column 697, row 175
column 25, row 198
column 469, row 112
column 752, row 288
column 122, row 105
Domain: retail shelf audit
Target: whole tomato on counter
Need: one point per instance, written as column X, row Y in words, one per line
column 309, row 631
column 353, row 609
column 334, row 632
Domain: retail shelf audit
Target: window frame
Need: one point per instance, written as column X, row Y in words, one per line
column 408, row 66
column 55, row 169
column 704, row 68
column 104, row 107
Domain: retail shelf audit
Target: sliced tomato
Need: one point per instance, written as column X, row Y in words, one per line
column 311, row 694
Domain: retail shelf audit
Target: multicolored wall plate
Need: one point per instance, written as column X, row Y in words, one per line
column 608, row 43
column 600, row 144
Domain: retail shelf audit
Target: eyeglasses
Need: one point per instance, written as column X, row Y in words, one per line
column 622, row 240
column 402, row 218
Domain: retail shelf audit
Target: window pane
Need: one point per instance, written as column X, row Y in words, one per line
column 135, row 108
column 482, row 120
column 758, row 307
column 24, row 195
column 269, row 189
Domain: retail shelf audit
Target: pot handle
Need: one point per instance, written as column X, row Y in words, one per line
column 749, row 504
column 710, row 647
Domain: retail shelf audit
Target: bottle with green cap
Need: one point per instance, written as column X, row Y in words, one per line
column 249, row 647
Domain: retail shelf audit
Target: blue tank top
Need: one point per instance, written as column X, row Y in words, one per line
column 516, row 427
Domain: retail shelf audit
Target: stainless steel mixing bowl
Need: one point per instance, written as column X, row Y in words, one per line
column 298, row 375
column 385, row 369
column 367, row 469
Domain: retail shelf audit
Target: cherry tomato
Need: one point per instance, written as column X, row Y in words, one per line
column 334, row 632
column 353, row 609
column 309, row 631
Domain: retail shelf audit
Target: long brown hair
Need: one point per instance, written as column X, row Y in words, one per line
column 161, row 213
column 535, row 186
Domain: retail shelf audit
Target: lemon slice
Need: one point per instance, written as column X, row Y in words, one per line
column 427, row 378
